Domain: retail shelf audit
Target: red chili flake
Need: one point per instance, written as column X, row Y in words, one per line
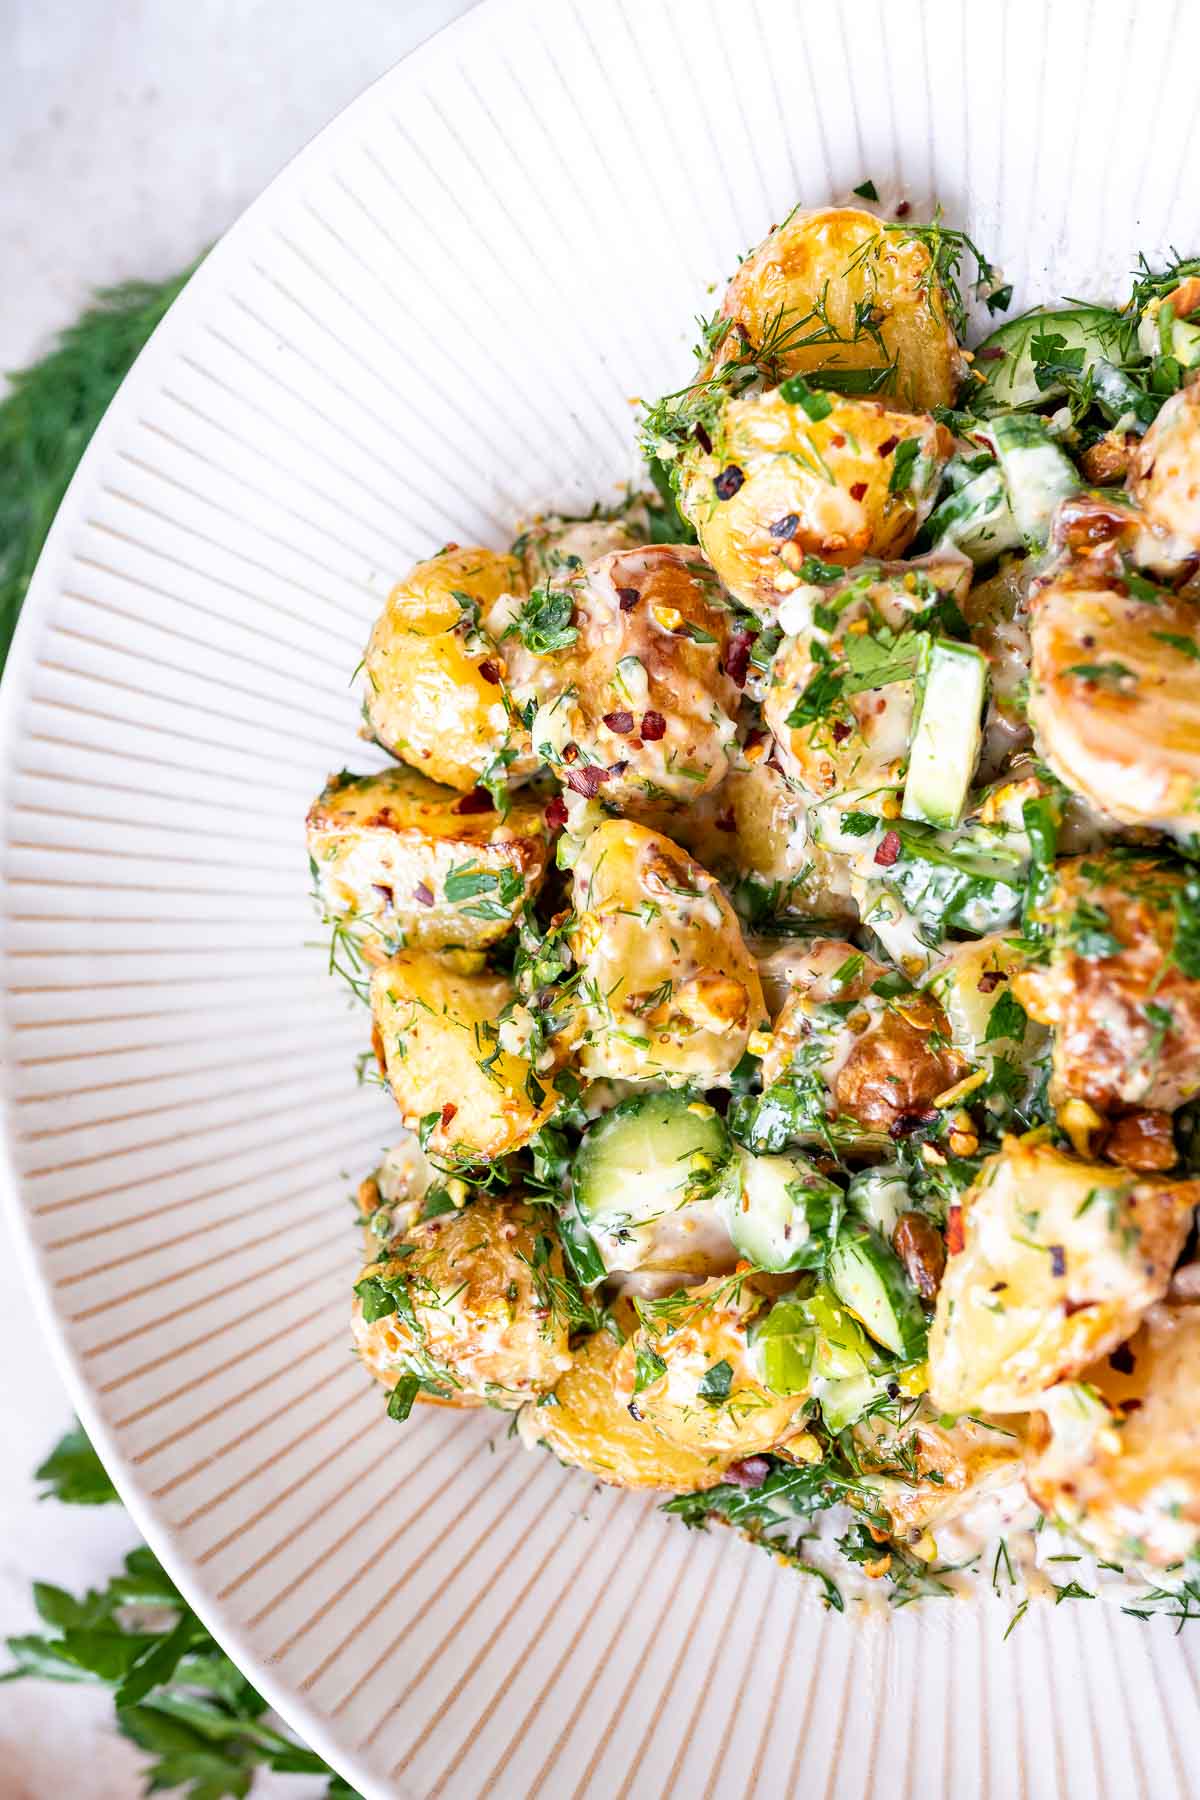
column 785, row 527
column 728, row 482
column 422, row 894
column 490, row 672
column 477, row 801
column 954, row 1231
column 903, row 210
column 620, row 722
column 448, row 1112
column 887, row 446
column 1128, row 1406
column 387, row 896
column 841, row 731
column 889, row 849
column 751, row 1472
column 725, row 821
column 990, row 980
column 1058, row 1261
column 702, row 438
column 588, row 780
column 858, row 490
column 1122, row 1360
column 1071, row 1307
column 990, row 353
column 654, row 726
column 556, row 813
column 838, row 440
column 737, row 656
column 628, row 597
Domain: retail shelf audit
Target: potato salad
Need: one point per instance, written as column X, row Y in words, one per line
column 778, row 928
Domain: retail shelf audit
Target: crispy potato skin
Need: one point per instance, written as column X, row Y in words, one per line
column 1124, row 1472
column 1114, row 701
column 806, row 485
column 590, row 1428
column 663, row 726
column 1060, row 1260
column 839, row 258
column 956, row 1464
column 1164, row 477
column 384, row 844
column 751, row 1420
column 435, row 1026
column 436, row 693
column 481, row 1319
column 670, row 991
column 1108, row 1050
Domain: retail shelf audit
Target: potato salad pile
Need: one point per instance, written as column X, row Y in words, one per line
column 780, row 926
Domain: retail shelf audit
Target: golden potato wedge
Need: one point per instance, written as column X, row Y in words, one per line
column 1126, row 1018
column 407, row 864
column 836, row 289
column 436, row 683
column 955, row 1463
column 591, row 1428
column 669, row 991
column 704, row 1334
column 854, row 745
column 438, row 1035
column 1164, row 476
column 778, row 484
column 1115, row 699
column 470, row 1307
column 1116, row 1456
column 1060, row 1259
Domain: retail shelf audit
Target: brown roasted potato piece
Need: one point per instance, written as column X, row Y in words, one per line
column 1059, row 1260
column 436, row 683
column 470, row 1307
column 591, row 1428
column 1126, row 1018
column 1116, row 1457
column 407, row 864
column 1164, row 479
column 954, row 1462
column 834, row 288
column 779, row 484
column 443, row 1048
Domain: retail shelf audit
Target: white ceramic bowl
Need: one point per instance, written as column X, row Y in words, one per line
column 435, row 320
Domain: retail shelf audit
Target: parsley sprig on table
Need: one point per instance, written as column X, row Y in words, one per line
column 176, row 1693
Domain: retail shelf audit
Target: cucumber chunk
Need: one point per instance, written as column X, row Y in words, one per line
column 976, row 519
column 878, row 1196
column 868, row 1277
column 951, row 687
column 1009, row 378
column 1036, row 472
column 779, row 1211
column 648, row 1179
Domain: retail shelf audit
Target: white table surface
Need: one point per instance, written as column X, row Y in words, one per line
column 132, row 132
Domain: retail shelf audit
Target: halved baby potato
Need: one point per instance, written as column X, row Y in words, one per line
column 668, row 988
column 589, row 1426
column 408, row 864
column 1165, row 475
column 836, row 289
column 1060, row 1259
column 785, row 478
column 436, row 693
column 468, row 1307
column 438, row 1038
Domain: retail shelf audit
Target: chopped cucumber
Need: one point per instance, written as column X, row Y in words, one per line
column 976, row 519
column 814, row 1346
column 972, row 880
column 951, row 689
column 643, row 1164
column 779, row 1211
column 868, row 1277
column 1036, row 472
column 842, row 1402
column 1009, row 378
column 879, row 1196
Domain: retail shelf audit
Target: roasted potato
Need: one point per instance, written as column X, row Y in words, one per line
column 471, row 1307
column 1060, row 1259
column 836, row 289
column 1164, row 477
column 970, row 984
column 391, row 1196
column 954, row 1463
column 406, row 864
column 669, row 991
column 555, row 547
column 708, row 1396
column 1116, row 1457
column 639, row 707
column 1126, row 1018
column 1115, row 699
column 779, row 484
column 436, row 683
column 854, row 745
column 588, row 1426
column 441, row 1042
